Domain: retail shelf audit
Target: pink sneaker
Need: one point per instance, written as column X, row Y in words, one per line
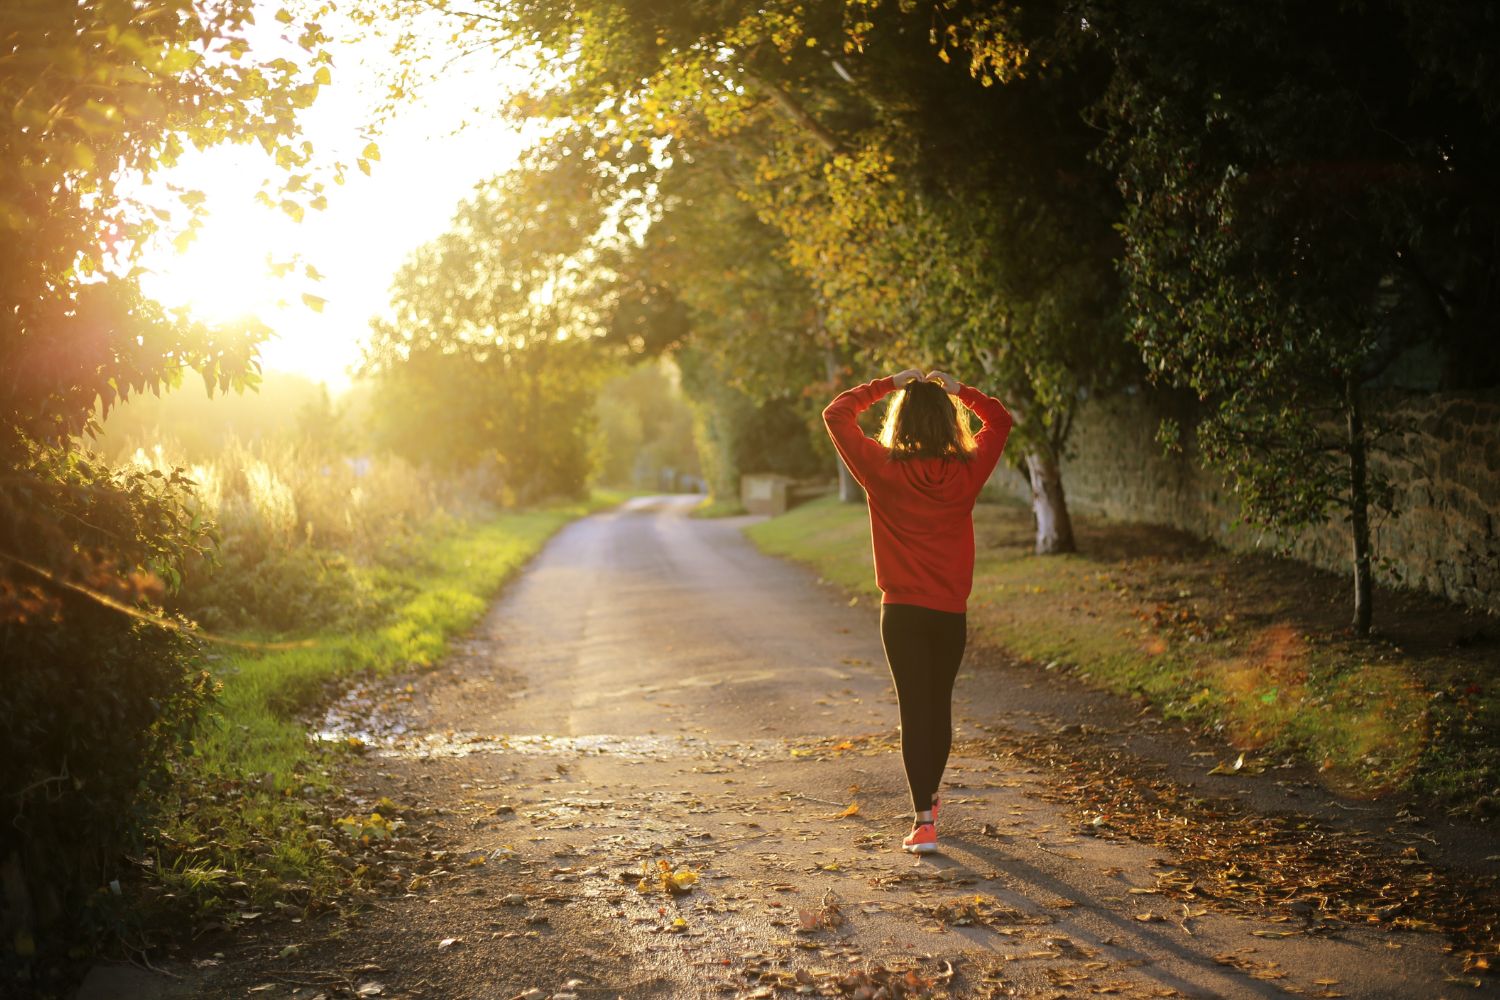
column 921, row 840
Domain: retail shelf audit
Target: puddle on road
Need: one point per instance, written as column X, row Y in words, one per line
column 366, row 714
column 644, row 747
column 390, row 738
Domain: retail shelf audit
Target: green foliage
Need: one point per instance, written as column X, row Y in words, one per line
column 910, row 210
column 644, row 430
column 750, row 339
column 739, row 434
column 1286, row 245
column 298, row 528
column 746, row 307
column 488, row 356
column 97, row 703
column 95, row 94
column 98, row 708
column 95, row 98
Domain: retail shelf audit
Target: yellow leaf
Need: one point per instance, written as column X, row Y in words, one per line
column 852, row 810
column 323, row 77
column 313, row 302
column 372, row 152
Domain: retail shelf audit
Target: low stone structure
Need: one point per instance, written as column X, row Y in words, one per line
column 771, row 494
column 1442, row 458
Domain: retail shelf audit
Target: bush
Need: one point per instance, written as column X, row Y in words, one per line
column 97, row 699
column 298, row 527
column 103, row 691
column 97, row 706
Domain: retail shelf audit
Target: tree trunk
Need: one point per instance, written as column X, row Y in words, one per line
column 1359, row 509
column 849, row 490
column 1054, row 526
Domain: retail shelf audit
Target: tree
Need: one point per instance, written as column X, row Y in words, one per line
column 100, row 687
column 492, row 323
column 1307, row 201
column 750, row 349
column 97, row 97
column 645, row 429
column 1000, row 234
column 840, row 116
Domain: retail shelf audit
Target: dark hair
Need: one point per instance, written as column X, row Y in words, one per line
column 924, row 421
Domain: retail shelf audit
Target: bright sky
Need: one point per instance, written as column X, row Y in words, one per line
column 428, row 164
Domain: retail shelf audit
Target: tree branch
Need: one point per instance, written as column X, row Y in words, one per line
column 795, row 112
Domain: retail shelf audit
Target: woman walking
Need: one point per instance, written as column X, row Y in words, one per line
column 922, row 477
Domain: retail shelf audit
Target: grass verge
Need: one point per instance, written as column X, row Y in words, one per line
column 719, row 507
column 1254, row 647
column 253, row 822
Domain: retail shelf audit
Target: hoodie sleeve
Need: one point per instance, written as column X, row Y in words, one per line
column 861, row 453
column 989, row 443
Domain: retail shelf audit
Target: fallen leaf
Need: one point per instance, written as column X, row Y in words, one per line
column 1222, row 768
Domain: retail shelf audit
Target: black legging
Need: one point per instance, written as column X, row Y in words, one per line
column 923, row 648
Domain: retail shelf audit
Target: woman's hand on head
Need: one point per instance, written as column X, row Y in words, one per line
column 948, row 382
column 904, row 378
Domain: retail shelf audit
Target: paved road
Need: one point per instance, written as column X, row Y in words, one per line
column 652, row 688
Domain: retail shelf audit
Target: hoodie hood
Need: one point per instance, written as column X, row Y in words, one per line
column 940, row 480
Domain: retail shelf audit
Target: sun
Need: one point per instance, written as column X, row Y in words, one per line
column 220, row 279
column 433, row 152
column 224, row 273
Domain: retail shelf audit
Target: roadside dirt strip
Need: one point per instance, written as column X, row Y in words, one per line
column 665, row 766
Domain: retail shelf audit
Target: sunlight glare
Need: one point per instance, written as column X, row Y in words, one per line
column 223, row 274
column 432, row 153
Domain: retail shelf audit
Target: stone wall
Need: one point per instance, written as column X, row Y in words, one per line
column 1443, row 459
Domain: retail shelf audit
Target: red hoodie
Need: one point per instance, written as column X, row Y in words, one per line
column 921, row 509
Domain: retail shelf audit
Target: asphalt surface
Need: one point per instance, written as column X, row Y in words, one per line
column 651, row 689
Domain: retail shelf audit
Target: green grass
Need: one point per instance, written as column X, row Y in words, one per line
column 250, row 815
column 719, row 507
column 1249, row 646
